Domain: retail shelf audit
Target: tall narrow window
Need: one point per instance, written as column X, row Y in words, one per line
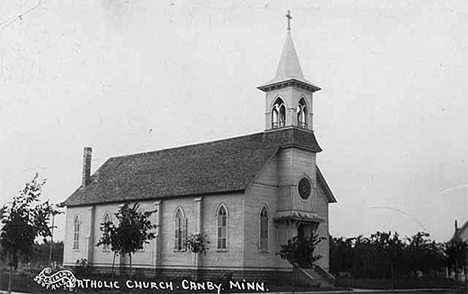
column 278, row 114
column 222, row 228
column 76, row 232
column 302, row 114
column 180, row 224
column 107, row 218
column 264, row 230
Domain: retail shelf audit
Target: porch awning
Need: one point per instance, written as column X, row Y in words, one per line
column 297, row 215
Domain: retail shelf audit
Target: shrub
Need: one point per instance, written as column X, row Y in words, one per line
column 197, row 243
column 300, row 251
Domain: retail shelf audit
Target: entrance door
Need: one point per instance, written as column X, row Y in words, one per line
column 306, row 230
column 301, row 232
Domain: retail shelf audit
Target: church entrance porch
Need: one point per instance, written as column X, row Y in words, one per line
column 302, row 225
column 297, row 223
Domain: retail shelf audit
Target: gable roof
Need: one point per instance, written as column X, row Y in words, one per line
column 326, row 189
column 460, row 233
column 215, row 167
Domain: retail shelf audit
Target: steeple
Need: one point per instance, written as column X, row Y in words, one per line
column 289, row 68
column 289, row 94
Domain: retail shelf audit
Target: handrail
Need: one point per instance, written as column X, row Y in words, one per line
column 321, row 270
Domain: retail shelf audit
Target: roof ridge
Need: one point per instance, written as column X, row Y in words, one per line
column 186, row 146
column 223, row 165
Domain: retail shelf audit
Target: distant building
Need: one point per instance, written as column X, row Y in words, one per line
column 460, row 233
column 248, row 194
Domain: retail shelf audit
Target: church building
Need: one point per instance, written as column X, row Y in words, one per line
column 249, row 195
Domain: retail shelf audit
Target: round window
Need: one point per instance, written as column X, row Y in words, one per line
column 304, row 188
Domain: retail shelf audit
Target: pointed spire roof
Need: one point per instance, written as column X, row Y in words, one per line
column 289, row 68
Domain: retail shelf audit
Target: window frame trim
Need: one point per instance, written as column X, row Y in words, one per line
column 222, row 205
column 107, row 213
column 260, row 248
column 302, row 112
column 76, row 241
column 183, row 222
column 277, row 106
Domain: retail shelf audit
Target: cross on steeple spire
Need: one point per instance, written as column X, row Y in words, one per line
column 289, row 17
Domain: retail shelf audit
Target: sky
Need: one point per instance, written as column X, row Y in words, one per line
column 132, row 76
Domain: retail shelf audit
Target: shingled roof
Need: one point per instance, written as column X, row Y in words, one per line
column 222, row 166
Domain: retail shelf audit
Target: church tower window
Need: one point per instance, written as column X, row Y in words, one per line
column 290, row 84
column 76, row 232
column 180, row 224
column 222, row 228
column 302, row 114
column 278, row 114
column 264, row 230
column 304, row 188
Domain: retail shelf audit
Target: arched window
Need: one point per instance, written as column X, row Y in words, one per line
column 264, row 230
column 222, row 228
column 180, row 224
column 76, row 232
column 278, row 114
column 302, row 114
column 107, row 219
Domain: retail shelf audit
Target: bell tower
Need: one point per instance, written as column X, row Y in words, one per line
column 289, row 95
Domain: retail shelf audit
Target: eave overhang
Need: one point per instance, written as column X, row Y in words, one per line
column 287, row 83
column 298, row 216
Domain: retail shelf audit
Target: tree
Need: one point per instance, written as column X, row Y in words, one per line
column 456, row 251
column 423, row 254
column 388, row 250
column 435, row 257
column 111, row 239
column 384, row 255
column 198, row 245
column 132, row 232
column 22, row 222
column 300, row 251
column 363, row 258
column 41, row 253
column 341, row 255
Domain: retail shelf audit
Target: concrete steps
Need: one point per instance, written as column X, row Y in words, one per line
column 315, row 277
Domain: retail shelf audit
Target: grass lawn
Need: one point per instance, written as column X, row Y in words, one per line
column 402, row 283
column 24, row 282
column 453, row 291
